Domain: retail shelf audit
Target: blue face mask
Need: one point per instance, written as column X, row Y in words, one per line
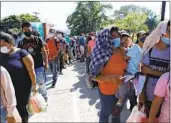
column 116, row 42
column 142, row 39
column 166, row 40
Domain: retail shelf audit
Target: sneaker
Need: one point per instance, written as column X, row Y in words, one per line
column 46, row 99
column 53, row 86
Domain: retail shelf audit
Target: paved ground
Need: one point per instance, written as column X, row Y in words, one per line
column 71, row 100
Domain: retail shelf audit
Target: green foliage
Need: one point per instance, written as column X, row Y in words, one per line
column 133, row 22
column 152, row 21
column 125, row 10
column 13, row 22
column 88, row 16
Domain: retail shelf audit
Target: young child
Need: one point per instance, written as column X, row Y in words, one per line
column 133, row 57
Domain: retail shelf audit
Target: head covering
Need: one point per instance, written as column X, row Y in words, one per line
column 125, row 34
column 141, row 32
column 102, row 51
column 154, row 36
column 6, row 37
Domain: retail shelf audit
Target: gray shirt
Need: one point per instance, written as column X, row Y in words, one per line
column 159, row 61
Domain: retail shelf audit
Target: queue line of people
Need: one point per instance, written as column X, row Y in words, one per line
column 27, row 58
column 113, row 60
column 111, row 57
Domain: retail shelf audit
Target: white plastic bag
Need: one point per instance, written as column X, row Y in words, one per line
column 36, row 104
column 136, row 115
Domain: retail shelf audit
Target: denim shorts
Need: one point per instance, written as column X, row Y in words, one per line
column 3, row 115
column 40, row 75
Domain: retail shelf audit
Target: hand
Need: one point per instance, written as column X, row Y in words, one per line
column 34, row 89
column 119, row 80
column 145, row 70
column 11, row 120
column 141, row 101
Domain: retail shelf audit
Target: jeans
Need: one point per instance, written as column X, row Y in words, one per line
column 54, row 68
column 3, row 115
column 108, row 102
column 61, row 60
column 88, row 60
column 40, row 79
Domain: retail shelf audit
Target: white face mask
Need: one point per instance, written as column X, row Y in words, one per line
column 92, row 37
column 4, row 49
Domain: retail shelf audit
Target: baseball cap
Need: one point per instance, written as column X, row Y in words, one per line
column 125, row 34
column 141, row 32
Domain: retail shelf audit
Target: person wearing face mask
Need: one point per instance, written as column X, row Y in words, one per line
column 155, row 62
column 117, row 41
column 54, row 49
column 20, row 65
column 106, row 68
column 34, row 45
column 141, row 36
column 133, row 57
column 90, row 47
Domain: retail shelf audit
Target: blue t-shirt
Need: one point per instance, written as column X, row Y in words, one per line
column 82, row 41
column 135, row 54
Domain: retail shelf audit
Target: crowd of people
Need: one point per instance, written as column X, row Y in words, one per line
column 116, row 64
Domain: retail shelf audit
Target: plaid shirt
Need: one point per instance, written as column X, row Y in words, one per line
column 101, row 53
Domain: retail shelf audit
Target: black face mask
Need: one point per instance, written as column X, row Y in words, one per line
column 28, row 34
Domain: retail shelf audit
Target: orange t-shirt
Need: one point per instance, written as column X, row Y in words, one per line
column 115, row 66
column 91, row 45
column 53, row 47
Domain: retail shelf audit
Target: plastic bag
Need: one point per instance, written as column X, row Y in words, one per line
column 36, row 104
column 139, row 84
column 136, row 115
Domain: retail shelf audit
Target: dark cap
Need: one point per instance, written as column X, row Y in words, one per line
column 6, row 37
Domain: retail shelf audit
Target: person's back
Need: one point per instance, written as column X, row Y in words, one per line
column 82, row 41
column 53, row 47
column 115, row 66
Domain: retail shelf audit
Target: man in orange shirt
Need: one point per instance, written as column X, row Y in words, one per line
column 54, row 49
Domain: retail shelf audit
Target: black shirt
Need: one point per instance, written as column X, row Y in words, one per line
column 33, row 46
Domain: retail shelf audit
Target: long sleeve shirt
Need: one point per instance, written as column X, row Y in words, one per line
column 7, row 92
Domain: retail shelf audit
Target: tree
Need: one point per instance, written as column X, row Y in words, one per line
column 152, row 21
column 133, row 22
column 13, row 22
column 88, row 16
column 125, row 10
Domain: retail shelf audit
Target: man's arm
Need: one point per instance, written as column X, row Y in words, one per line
column 147, row 70
column 45, row 55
